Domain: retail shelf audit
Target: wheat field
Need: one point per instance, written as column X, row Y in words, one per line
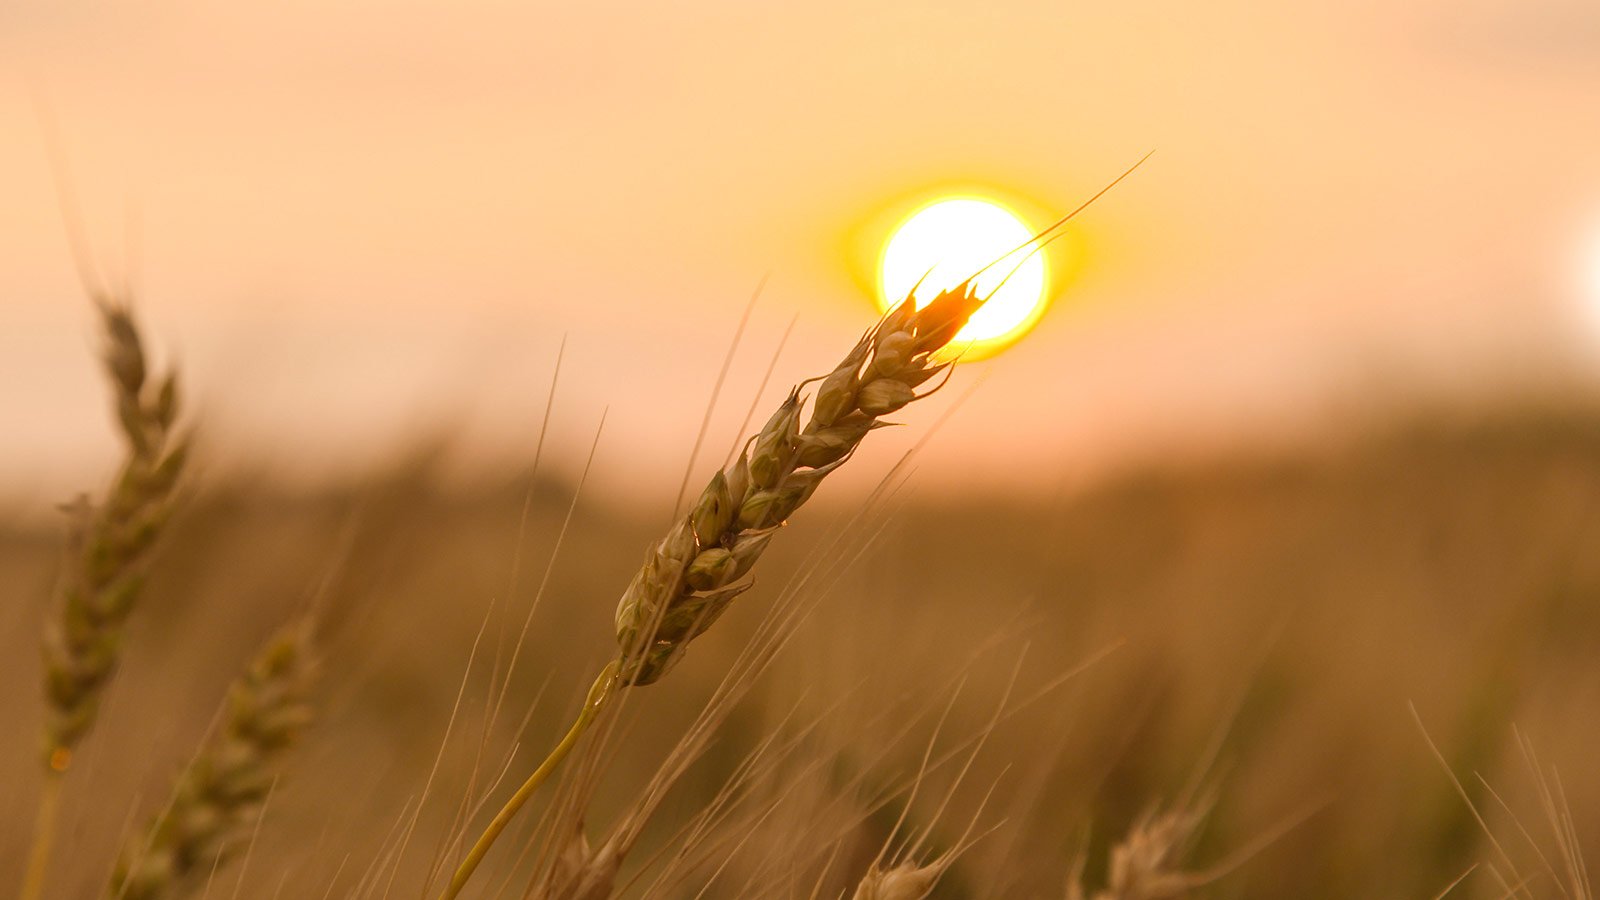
column 665, row 451
column 1363, row 672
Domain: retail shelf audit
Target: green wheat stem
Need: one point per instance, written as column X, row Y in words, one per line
column 599, row 692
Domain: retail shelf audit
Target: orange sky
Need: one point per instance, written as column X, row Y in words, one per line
column 355, row 219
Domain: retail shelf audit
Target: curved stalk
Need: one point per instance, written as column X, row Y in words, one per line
column 599, row 692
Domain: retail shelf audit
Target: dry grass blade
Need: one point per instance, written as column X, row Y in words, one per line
column 1456, row 882
column 219, row 796
column 1558, row 815
column 1510, row 880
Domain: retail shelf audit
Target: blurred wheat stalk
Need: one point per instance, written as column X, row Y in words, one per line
column 108, row 549
column 224, row 788
column 1144, row 865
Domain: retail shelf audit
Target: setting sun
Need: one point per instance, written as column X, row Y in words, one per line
column 946, row 242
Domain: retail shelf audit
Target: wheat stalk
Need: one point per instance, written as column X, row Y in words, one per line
column 109, row 545
column 220, row 793
column 692, row 574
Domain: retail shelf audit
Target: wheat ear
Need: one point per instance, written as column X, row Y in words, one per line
column 109, row 545
column 83, row 644
column 1147, row 863
column 221, row 792
column 907, row 881
column 690, row 576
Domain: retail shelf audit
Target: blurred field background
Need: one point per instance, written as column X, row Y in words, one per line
column 1300, row 602
column 1310, row 437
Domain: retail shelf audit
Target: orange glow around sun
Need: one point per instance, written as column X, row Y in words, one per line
column 948, row 240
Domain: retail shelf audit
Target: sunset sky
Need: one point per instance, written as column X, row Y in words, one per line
column 352, row 222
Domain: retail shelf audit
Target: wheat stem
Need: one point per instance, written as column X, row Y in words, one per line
column 43, row 837
column 599, row 692
column 691, row 576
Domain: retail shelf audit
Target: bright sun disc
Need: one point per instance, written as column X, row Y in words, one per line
column 947, row 242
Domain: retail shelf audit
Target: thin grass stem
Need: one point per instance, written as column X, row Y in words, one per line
column 599, row 692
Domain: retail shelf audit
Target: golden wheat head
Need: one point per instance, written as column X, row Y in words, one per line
column 691, row 576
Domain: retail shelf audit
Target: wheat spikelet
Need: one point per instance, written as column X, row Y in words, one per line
column 1145, row 865
column 220, row 793
column 690, row 577
column 111, row 542
column 907, row 881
